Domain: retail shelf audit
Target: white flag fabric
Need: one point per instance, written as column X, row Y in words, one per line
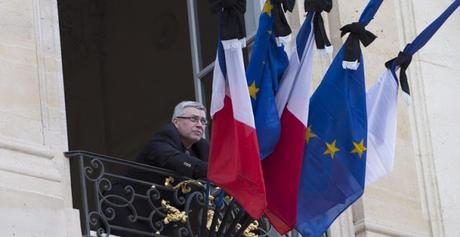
column 382, row 100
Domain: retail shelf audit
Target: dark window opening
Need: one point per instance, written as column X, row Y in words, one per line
column 126, row 64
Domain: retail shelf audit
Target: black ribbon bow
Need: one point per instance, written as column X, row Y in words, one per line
column 402, row 60
column 232, row 17
column 357, row 34
column 318, row 6
column 280, row 24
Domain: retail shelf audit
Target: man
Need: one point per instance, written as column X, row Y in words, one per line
column 179, row 145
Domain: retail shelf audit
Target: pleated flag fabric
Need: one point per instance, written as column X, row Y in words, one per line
column 282, row 168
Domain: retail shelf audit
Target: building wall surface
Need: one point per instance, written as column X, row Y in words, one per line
column 420, row 198
column 438, row 74
column 35, row 194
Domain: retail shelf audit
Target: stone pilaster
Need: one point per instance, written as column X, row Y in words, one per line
column 35, row 194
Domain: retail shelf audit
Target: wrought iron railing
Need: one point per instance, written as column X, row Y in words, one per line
column 124, row 198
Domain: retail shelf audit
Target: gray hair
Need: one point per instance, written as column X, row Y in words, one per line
column 179, row 109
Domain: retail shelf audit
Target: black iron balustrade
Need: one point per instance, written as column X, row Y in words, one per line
column 125, row 198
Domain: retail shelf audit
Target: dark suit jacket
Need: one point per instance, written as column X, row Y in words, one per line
column 166, row 150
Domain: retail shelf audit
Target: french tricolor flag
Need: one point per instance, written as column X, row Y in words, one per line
column 283, row 167
column 234, row 162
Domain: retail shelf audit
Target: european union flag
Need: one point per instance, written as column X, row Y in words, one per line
column 266, row 66
column 333, row 169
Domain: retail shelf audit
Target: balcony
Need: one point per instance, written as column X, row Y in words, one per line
column 123, row 198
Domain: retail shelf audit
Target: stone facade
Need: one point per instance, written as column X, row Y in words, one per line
column 420, row 198
column 35, row 194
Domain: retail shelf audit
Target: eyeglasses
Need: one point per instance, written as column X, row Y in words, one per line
column 195, row 119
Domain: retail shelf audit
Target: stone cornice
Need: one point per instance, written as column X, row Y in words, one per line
column 384, row 229
column 26, row 148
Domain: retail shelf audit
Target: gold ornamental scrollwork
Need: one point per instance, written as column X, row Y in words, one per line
column 249, row 231
column 184, row 185
column 209, row 221
column 173, row 214
column 169, row 182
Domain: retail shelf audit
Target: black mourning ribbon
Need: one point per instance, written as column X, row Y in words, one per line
column 402, row 60
column 232, row 21
column 281, row 27
column 357, row 34
column 318, row 6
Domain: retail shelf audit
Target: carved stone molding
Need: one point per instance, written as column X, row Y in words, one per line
column 385, row 229
column 420, row 125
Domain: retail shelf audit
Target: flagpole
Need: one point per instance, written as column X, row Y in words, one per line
column 208, row 69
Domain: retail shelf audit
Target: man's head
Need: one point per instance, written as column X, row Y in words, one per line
column 190, row 120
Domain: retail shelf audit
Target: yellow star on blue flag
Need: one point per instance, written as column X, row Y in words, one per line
column 267, row 8
column 253, row 90
column 359, row 148
column 331, row 149
column 309, row 134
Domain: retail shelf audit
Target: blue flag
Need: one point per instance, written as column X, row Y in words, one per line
column 333, row 169
column 266, row 66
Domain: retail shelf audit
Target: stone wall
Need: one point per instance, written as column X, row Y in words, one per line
column 35, row 194
column 435, row 126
